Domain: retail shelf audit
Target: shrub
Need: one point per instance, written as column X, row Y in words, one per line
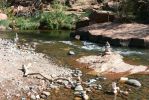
column 4, row 23
column 26, row 23
column 57, row 18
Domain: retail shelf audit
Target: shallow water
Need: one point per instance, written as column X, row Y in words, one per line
column 57, row 44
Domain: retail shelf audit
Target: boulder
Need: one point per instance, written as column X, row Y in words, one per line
column 117, row 34
column 2, row 28
column 3, row 16
column 101, row 16
column 82, row 23
column 133, row 82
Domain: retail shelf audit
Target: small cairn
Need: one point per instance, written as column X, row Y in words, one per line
column 115, row 89
column 107, row 49
column 16, row 39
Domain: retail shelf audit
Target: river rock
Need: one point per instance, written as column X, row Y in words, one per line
column 79, row 87
column 2, row 28
column 3, row 16
column 46, row 93
column 37, row 97
column 91, row 81
column 133, row 82
column 84, row 95
column 123, row 79
column 33, row 97
column 71, row 53
column 101, row 16
column 43, row 96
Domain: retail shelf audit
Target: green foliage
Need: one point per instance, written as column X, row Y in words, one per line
column 3, row 4
column 136, row 9
column 4, row 23
column 26, row 23
column 57, row 18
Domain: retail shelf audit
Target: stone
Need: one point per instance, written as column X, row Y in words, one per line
column 82, row 23
column 23, row 98
column 37, row 97
column 101, row 16
column 124, row 92
column 43, row 96
column 46, row 93
column 123, row 79
column 77, row 98
column 84, row 95
column 79, row 88
column 114, row 33
column 2, row 28
column 33, row 97
column 133, row 82
column 99, row 87
column 115, row 89
column 3, row 16
column 71, row 53
column 91, row 81
column 77, row 37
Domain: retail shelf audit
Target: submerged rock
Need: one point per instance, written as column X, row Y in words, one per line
column 133, row 82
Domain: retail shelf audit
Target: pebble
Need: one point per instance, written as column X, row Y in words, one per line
column 77, row 98
column 37, row 97
column 91, row 81
column 33, row 97
column 43, row 96
column 71, row 53
column 23, row 98
column 123, row 79
column 124, row 92
column 79, row 87
column 46, row 93
column 115, row 88
column 84, row 95
column 133, row 82
column 99, row 87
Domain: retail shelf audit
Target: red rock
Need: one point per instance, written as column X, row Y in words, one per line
column 3, row 16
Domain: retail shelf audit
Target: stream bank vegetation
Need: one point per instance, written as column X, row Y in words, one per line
column 34, row 16
column 54, row 19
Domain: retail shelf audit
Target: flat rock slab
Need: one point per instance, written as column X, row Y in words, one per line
column 132, row 34
column 112, row 63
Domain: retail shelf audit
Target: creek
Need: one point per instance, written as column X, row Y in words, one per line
column 57, row 44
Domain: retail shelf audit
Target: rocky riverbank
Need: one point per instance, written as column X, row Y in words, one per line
column 24, row 72
column 130, row 35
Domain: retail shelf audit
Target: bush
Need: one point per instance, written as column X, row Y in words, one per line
column 136, row 9
column 57, row 18
column 26, row 23
column 4, row 23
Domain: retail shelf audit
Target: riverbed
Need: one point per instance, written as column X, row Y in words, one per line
column 57, row 44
